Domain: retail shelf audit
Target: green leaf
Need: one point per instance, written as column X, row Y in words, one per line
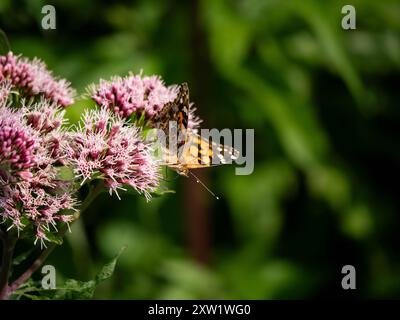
column 137, row 118
column 149, row 134
column 142, row 118
column 72, row 289
column 33, row 297
column 28, row 286
column 54, row 238
column 108, row 270
column 65, row 173
column 133, row 117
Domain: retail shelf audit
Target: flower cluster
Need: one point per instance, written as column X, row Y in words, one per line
column 47, row 120
column 35, row 146
column 32, row 197
column 37, row 201
column 106, row 146
column 18, row 141
column 32, row 78
column 5, row 88
column 133, row 93
column 138, row 94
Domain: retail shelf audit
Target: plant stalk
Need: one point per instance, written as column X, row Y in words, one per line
column 8, row 241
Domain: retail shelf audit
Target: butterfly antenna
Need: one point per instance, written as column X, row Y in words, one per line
column 205, row 187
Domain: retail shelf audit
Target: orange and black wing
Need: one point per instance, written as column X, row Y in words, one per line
column 177, row 110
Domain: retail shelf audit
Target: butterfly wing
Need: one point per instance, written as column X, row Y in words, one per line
column 196, row 151
column 199, row 152
column 177, row 110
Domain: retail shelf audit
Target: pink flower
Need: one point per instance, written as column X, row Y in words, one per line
column 133, row 93
column 25, row 175
column 108, row 147
column 31, row 135
column 30, row 148
column 139, row 94
column 5, row 88
column 46, row 118
column 30, row 202
column 33, row 78
column 18, row 141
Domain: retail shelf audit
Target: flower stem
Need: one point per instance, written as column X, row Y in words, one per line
column 35, row 265
column 93, row 193
column 2, row 235
column 9, row 241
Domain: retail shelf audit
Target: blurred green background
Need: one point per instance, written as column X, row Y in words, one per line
column 324, row 105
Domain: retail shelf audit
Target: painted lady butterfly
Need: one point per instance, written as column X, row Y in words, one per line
column 195, row 151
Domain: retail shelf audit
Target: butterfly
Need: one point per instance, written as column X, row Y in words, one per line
column 195, row 151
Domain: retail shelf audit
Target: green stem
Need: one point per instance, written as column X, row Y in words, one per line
column 9, row 241
column 93, row 193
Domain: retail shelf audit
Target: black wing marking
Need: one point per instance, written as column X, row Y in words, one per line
column 177, row 110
